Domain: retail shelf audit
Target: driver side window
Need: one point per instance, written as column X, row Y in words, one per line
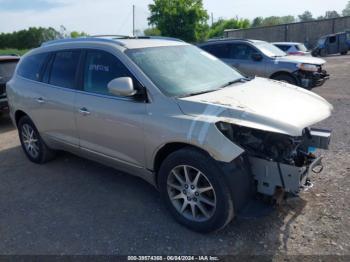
column 241, row 52
column 99, row 69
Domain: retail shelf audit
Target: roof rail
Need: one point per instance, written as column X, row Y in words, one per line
column 160, row 38
column 82, row 39
column 138, row 37
column 229, row 38
column 113, row 36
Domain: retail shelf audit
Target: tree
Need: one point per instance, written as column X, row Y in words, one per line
column 271, row 20
column 29, row 38
column 287, row 19
column 153, row 31
column 184, row 19
column 258, row 21
column 76, row 34
column 218, row 28
column 329, row 15
column 306, row 16
column 346, row 11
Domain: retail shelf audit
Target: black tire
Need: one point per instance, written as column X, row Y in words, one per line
column 224, row 210
column 285, row 78
column 344, row 53
column 44, row 153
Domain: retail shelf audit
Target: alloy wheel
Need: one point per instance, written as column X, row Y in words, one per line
column 191, row 193
column 30, row 141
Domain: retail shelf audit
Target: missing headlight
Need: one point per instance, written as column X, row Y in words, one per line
column 266, row 145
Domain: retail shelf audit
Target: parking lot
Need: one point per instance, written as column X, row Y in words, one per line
column 75, row 206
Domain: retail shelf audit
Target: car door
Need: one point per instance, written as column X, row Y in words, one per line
column 333, row 43
column 343, row 46
column 109, row 126
column 241, row 57
column 55, row 99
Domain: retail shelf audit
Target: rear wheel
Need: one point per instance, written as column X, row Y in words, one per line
column 285, row 78
column 344, row 53
column 195, row 191
column 33, row 145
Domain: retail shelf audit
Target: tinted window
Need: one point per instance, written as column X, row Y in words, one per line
column 100, row 68
column 283, row 47
column 31, row 66
column 7, row 69
column 218, row 50
column 64, row 68
column 241, row 51
column 332, row 39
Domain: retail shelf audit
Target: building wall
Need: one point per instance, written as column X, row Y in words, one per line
column 304, row 32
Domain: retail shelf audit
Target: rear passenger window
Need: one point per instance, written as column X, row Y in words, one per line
column 31, row 66
column 218, row 50
column 64, row 68
column 100, row 68
column 283, row 47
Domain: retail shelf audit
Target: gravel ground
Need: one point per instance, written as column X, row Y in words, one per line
column 75, row 206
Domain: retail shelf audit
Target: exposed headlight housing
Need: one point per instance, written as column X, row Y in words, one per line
column 308, row 67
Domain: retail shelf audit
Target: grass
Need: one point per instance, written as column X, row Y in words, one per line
column 13, row 51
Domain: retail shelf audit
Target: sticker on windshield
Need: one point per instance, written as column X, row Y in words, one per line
column 209, row 55
column 99, row 68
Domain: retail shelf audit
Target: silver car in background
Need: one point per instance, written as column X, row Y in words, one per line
column 293, row 48
column 259, row 58
column 207, row 137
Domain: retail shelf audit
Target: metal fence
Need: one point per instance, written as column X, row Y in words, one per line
column 303, row 32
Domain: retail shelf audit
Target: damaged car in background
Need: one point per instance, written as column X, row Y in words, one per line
column 208, row 138
column 260, row 58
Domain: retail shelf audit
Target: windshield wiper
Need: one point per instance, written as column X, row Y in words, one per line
column 239, row 80
column 199, row 93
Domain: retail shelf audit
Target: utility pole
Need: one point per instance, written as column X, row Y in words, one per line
column 133, row 20
column 212, row 19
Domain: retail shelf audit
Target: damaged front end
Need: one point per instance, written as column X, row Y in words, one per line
column 278, row 161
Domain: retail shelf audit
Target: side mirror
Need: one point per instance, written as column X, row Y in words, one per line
column 257, row 57
column 122, row 86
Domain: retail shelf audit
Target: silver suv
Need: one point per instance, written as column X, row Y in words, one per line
column 259, row 58
column 208, row 138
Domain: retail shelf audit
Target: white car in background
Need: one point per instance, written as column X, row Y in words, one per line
column 292, row 48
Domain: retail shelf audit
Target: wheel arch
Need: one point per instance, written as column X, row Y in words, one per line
column 168, row 148
column 18, row 115
column 279, row 73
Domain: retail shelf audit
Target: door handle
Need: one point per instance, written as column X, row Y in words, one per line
column 40, row 100
column 84, row 111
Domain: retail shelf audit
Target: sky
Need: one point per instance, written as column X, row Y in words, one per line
column 115, row 16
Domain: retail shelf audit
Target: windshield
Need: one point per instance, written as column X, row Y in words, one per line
column 301, row 48
column 183, row 70
column 7, row 69
column 269, row 49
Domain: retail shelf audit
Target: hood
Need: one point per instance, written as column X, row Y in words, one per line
column 262, row 104
column 302, row 59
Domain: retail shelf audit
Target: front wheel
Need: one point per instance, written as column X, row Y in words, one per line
column 33, row 145
column 195, row 191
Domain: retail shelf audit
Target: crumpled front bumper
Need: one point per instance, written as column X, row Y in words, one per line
column 312, row 79
column 272, row 176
